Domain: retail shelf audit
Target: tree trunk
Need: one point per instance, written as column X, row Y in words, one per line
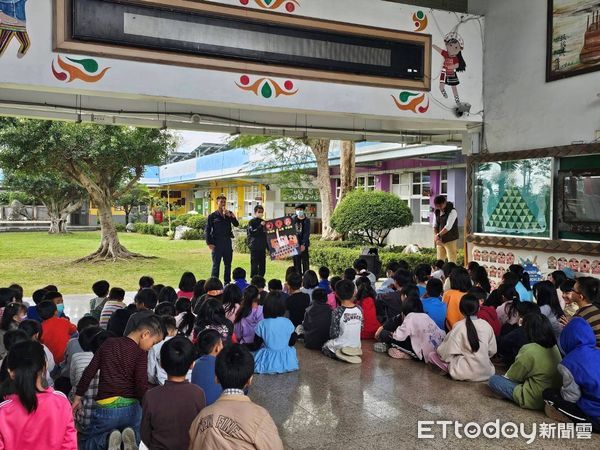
column 320, row 148
column 347, row 168
column 110, row 247
column 56, row 224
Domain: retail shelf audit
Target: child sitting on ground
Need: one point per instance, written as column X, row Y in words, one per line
column 156, row 373
column 487, row 313
column 248, row 316
column 90, row 340
column 32, row 312
column 211, row 315
column 578, row 400
column 232, row 297
column 433, row 305
column 184, row 319
column 534, row 369
column 276, row 332
column 466, row 351
column 13, row 314
column 209, row 345
column 298, row 301
column 114, row 303
column 123, row 366
column 234, row 421
column 168, row 411
column 309, row 283
column 100, row 288
column 35, row 417
column 317, row 321
column 390, row 304
column 63, row 382
column 361, row 266
column 437, row 270
column 422, row 276
column 507, row 312
column 365, row 299
column 56, row 331
column 460, row 283
column 324, row 279
column 416, row 335
column 186, row 285
column 586, row 294
column 260, row 284
column 571, row 307
column 346, row 324
column 390, row 270
column 239, row 278
column 332, row 301
column 510, row 343
column 145, row 302
column 33, row 328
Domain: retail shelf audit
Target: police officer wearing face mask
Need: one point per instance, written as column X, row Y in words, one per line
column 301, row 224
column 257, row 243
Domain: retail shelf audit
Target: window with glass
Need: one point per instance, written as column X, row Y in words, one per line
column 513, row 198
column 251, row 194
column 414, row 188
column 232, row 198
column 366, row 183
column 444, row 182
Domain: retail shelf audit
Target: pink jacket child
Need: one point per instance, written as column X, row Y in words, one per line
column 49, row 427
column 331, row 301
column 34, row 422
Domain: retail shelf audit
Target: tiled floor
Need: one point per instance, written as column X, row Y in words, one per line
column 376, row 405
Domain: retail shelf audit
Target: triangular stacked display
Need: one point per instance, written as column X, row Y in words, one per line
column 512, row 213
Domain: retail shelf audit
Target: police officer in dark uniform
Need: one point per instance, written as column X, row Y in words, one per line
column 218, row 238
column 257, row 243
column 301, row 224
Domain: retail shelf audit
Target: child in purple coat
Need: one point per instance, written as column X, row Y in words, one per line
column 248, row 315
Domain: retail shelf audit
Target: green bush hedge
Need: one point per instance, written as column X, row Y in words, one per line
column 192, row 235
column 339, row 259
column 197, row 222
column 156, row 229
column 120, row 227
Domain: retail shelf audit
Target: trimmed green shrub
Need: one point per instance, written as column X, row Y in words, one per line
column 240, row 244
column 120, row 227
column 156, row 229
column 192, row 235
column 243, row 224
column 370, row 215
column 197, row 222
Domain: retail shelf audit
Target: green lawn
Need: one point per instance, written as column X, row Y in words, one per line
column 37, row 259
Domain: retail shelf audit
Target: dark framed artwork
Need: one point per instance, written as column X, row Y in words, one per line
column 573, row 42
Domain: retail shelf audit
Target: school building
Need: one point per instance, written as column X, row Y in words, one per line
column 414, row 173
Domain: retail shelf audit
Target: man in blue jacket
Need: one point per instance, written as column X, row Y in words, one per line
column 218, row 238
column 301, row 224
column 12, row 24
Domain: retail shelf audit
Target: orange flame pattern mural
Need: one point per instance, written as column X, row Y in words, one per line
column 289, row 5
column 266, row 87
column 412, row 101
column 78, row 69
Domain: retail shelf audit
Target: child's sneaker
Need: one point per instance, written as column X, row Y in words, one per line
column 347, row 358
column 129, row 441
column 351, row 351
column 380, row 347
column 114, row 440
column 397, row 354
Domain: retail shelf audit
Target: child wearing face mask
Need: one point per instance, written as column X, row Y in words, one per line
column 257, row 242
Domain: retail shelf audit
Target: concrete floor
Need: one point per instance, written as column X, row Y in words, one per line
column 376, row 405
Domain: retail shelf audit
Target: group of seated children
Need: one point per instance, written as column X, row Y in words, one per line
column 157, row 371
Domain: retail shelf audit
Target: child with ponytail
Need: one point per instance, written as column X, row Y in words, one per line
column 248, row 315
column 49, row 410
column 466, row 351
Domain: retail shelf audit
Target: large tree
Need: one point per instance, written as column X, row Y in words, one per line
column 107, row 161
column 290, row 162
column 58, row 194
column 137, row 195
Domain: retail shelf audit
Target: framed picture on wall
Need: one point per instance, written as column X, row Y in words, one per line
column 573, row 42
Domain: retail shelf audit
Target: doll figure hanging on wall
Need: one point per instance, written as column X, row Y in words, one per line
column 453, row 63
